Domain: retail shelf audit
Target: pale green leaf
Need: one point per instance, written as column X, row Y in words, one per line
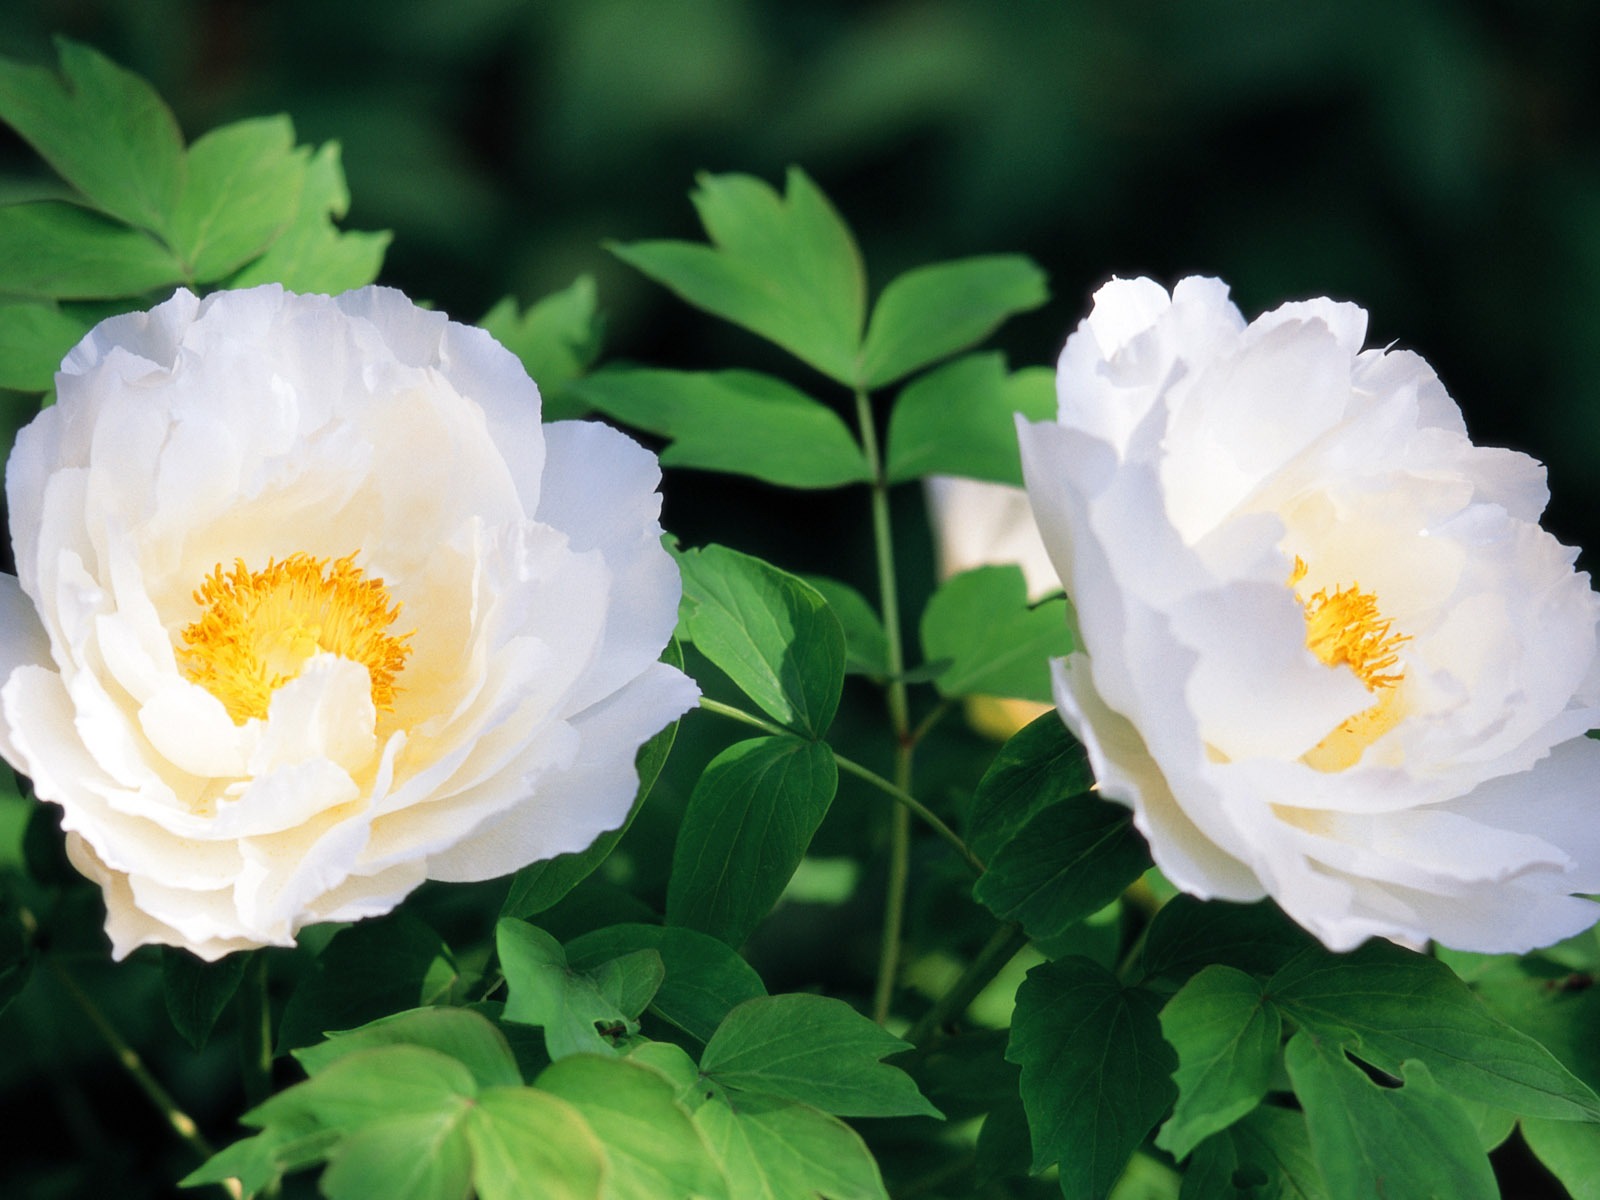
column 52, row 249
column 34, row 338
column 980, row 622
column 557, row 339
column 816, row 1050
column 581, row 1012
column 103, row 128
column 786, row 268
column 961, row 420
column 932, row 312
column 1226, row 1034
column 243, row 189
column 738, row 422
column 527, row 1143
column 1411, row 1141
column 653, row 1147
column 778, row 1150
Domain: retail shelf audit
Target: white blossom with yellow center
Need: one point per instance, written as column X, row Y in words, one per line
column 310, row 608
column 1329, row 654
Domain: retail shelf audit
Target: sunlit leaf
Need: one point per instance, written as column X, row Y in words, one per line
column 704, row 977
column 57, row 250
column 995, row 642
column 816, row 1050
column 738, row 422
column 103, row 128
column 773, row 635
column 1370, row 1141
column 1226, row 1033
column 932, row 312
column 785, row 267
column 242, row 189
column 961, row 420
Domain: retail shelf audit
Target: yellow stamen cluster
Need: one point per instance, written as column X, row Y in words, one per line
column 259, row 628
column 1344, row 627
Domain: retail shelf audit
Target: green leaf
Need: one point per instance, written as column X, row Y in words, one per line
column 704, row 978
column 1264, row 1156
column 816, row 1050
column 1226, row 1034
column 1371, row 1141
column 1570, row 1150
column 739, row 422
column 786, row 268
column 997, row 645
column 749, row 820
column 773, row 635
column 866, row 645
column 420, row 1157
column 582, row 1012
column 368, row 971
column 529, row 1143
column 52, row 249
column 932, row 312
column 312, row 254
column 1096, row 1073
column 457, row 1033
column 34, row 338
column 961, row 420
column 1040, row 766
column 198, row 991
column 1403, row 1005
column 652, row 1145
column 557, row 339
column 259, row 1162
column 371, row 1086
column 1188, row 935
column 775, row 1150
column 243, row 190
column 540, row 885
column 1067, row 863
column 103, row 129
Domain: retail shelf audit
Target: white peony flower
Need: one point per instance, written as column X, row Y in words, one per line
column 310, row 608
column 1330, row 655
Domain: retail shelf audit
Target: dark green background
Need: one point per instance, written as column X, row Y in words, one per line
column 1435, row 161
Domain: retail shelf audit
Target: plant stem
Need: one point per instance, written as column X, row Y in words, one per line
column 738, row 714
column 849, row 765
column 181, row 1122
column 912, row 805
column 255, row 1031
column 1000, row 949
column 899, row 716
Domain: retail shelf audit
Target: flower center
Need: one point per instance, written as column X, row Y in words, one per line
column 259, row 629
column 1345, row 627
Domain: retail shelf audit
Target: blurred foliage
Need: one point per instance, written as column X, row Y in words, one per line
column 1434, row 161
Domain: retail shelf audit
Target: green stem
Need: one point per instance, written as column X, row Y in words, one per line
column 181, row 1122
column 899, row 717
column 1002, row 946
column 739, row 714
column 912, row 805
column 255, row 1032
column 899, row 795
